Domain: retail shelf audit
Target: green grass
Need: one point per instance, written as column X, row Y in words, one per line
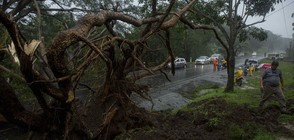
column 215, row 93
column 206, row 86
column 196, row 91
column 236, row 132
column 286, row 118
column 263, row 135
column 237, row 97
column 249, row 131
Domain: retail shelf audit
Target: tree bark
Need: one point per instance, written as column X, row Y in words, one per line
column 230, row 71
column 112, row 110
column 14, row 112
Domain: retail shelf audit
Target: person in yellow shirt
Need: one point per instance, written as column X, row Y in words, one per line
column 238, row 74
column 251, row 69
column 224, row 63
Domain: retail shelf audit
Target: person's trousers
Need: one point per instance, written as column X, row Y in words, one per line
column 268, row 91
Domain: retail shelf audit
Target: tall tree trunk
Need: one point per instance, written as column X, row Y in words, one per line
column 230, row 70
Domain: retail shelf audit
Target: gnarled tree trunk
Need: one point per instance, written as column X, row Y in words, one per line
column 112, row 111
column 13, row 111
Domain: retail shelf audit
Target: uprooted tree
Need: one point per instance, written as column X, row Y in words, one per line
column 53, row 75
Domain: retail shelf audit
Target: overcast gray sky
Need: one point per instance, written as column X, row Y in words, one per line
column 279, row 21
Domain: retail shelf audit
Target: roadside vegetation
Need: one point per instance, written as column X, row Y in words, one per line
column 68, row 69
column 221, row 115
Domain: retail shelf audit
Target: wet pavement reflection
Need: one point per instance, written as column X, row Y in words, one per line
column 182, row 74
column 191, row 71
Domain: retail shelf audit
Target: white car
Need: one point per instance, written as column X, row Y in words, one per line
column 202, row 60
column 214, row 56
column 179, row 63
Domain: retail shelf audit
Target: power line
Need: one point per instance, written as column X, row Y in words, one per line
column 285, row 20
column 280, row 9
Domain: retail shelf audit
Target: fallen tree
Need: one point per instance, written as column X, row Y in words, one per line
column 53, row 78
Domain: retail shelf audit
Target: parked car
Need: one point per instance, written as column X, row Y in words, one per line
column 253, row 62
column 179, row 63
column 216, row 55
column 202, row 60
column 264, row 66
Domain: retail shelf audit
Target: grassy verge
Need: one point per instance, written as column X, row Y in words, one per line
column 201, row 89
column 251, row 95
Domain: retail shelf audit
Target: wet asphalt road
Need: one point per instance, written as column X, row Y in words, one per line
column 167, row 95
column 191, row 71
column 182, row 74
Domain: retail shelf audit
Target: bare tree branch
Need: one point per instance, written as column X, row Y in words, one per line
column 176, row 17
column 11, row 72
column 251, row 24
column 225, row 34
column 145, row 73
column 206, row 27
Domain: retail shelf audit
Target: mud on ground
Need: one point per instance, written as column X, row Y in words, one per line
column 210, row 120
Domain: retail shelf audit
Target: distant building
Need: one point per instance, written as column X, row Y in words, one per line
column 241, row 54
column 276, row 56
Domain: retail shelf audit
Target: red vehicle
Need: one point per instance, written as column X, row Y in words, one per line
column 264, row 66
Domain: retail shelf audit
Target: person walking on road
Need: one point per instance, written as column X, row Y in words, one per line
column 214, row 61
column 219, row 64
column 224, row 63
column 251, row 69
column 246, row 61
column 271, row 82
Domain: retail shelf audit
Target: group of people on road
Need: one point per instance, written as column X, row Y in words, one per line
column 248, row 68
column 219, row 64
column 240, row 72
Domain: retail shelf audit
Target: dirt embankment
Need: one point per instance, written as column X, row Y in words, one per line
column 213, row 119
